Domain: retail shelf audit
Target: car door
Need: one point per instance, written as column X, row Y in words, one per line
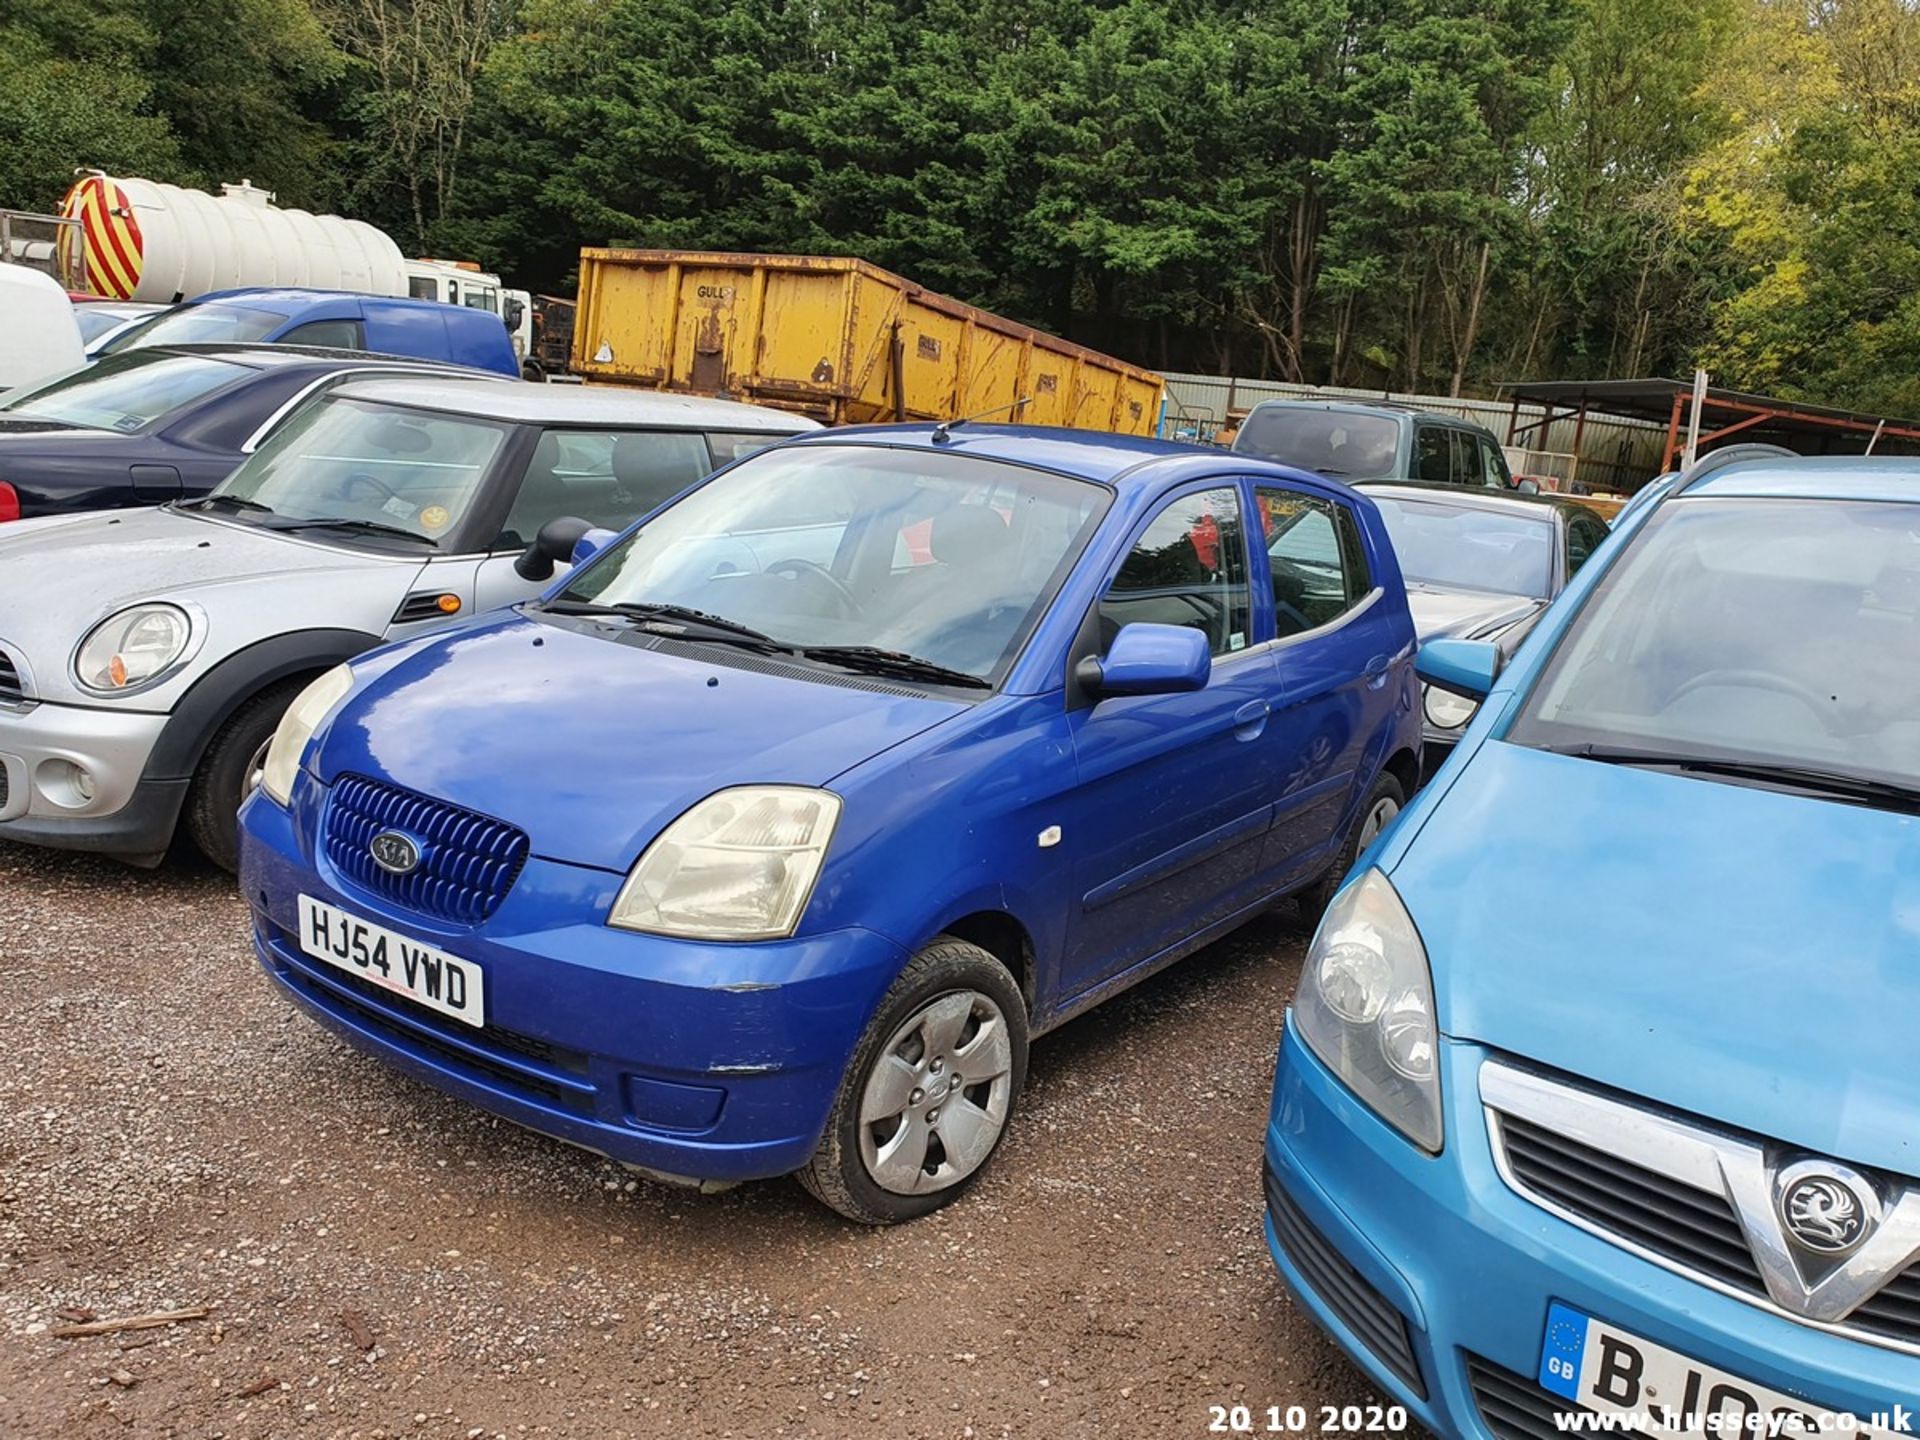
column 609, row 478
column 1333, row 650
column 1165, row 824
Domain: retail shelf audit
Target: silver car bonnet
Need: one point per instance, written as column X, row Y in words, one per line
column 240, row 584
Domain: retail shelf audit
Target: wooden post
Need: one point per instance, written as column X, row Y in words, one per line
column 1673, row 435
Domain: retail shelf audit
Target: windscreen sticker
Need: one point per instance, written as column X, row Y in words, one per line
column 398, row 508
column 1237, row 640
column 435, row 517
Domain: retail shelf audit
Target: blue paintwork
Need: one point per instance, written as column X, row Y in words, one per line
column 186, row 452
column 1466, row 667
column 1739, row 954
column 1181, row 815
column 1155, row 660
column 417, row 329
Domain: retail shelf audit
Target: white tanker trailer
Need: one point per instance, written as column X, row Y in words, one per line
column 149, row 241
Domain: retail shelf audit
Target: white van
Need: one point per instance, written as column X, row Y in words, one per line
column 40, row 336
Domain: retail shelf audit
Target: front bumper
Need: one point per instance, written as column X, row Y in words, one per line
column 127, row 814
column 1455, row 1271
column 694, row 1061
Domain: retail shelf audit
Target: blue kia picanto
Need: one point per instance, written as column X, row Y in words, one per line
column 1599, row 1093
column 767, row 838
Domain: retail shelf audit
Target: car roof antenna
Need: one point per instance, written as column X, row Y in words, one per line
column 940, row 435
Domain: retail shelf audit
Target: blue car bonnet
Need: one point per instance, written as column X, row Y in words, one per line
column 593, row 782
column 1723, row 949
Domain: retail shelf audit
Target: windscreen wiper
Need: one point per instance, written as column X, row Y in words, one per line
column 374, row 527
column 238, row 502
column 875, row 661
column 1840, row 785
column 689, row 623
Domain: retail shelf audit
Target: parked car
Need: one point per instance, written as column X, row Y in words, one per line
column 163, row 423
column 40, row 337
column 100, row 320
column 333, row 320
column 1355, row 442
column 146, row 656
column 1480, row 566
column 763, row 844
column 1597, row 1091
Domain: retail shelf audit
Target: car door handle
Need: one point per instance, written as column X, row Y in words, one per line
column 1377, row 670
column 1250, row 719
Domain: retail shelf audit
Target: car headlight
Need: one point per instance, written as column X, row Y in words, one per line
column 296, row 728
column 1446, row 710
column 1365, row 1007
column 740, row 865
column 132, row 649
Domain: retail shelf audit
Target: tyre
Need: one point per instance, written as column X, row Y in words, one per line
column 1384, row 802
column 229, row 771
column 929, row 1092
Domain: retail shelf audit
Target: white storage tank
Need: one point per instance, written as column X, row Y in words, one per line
column 149, row 241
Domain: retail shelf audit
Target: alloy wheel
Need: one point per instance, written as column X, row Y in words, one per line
column 1378, row 818
column 937, row 1098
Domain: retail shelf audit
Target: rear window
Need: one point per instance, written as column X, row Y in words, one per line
column 125, row 393
column 1339, row 443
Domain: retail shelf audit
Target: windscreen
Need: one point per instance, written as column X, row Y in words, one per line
column 211, row 324
column 1761, row 630
column 943, row 557
column 123, row 393
column 1461, row 547
column 417, row 471
column 1339, row 443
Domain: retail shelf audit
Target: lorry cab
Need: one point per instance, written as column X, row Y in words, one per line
column 333, row 320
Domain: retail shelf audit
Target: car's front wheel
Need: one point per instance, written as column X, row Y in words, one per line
column 230, row 770
column 930, row 1091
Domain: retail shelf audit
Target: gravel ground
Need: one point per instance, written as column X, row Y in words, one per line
column 174, row 1135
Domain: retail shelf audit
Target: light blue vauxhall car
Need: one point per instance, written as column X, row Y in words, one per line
column 1601, row 1092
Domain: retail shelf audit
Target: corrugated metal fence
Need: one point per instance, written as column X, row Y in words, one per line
column 1615, row 454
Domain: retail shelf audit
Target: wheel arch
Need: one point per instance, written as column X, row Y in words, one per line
column 1002, row 935
column 213, row 698
column 1404, row 765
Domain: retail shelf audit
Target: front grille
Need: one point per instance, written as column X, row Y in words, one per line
column 1361, row 1308
column 1514, row 1407
column 1686, row 1225
column 1696, row 1231
column 12, row 689
column 468, row 861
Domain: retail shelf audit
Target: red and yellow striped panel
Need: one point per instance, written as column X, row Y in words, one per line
column 113, row 244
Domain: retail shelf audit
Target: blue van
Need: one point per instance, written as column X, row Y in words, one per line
column 331, row 319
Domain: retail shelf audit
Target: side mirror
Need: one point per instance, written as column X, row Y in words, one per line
column 1527, row 486
column 1149, row 660
column 591, row 544
column 554, row 543
column 1462, row 667
column 513, row 312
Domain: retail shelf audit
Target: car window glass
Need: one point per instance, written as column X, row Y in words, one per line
column 1188, row 568
column 423, row 287
column 1433, row 455
column 1461, row 546
column 1493, row 467
column 800, row 542
column 330, row 334
column 1312, row 550
column 337, row 458
column 609, row 478
column 124, row 393
column 216, row 323
column 729, row 446
column 1767, row 631
column 1583, row 537
column 1341, row 443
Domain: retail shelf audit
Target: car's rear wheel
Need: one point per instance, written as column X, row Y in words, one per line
column 930, row 1091
column 1383, row 805
column 230, row 770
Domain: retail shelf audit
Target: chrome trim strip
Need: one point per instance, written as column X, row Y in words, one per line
column 1721, row 1164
